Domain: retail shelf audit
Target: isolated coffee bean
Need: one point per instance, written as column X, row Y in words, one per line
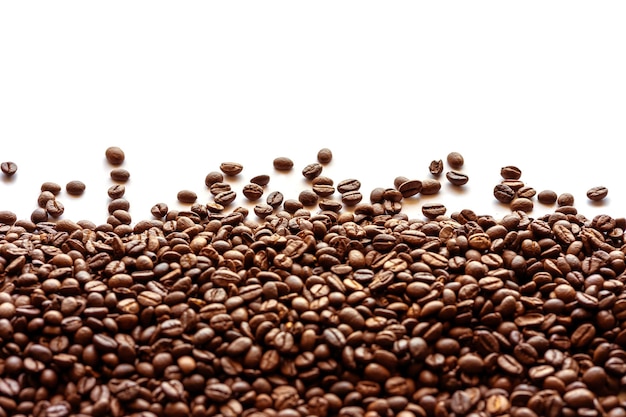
column 565, row 199
column 597, row 193
column 430, row 186
column 510, row 172
column 75, row 187
column 283, row 163
column 186, row 196
column 436, row 167
column 547, row 197
column 7, row 217
column 231, row 168
column 455, row 160
column 51, row 187
column 8, row 168
column 457, row 178
column 114, row 155
column 116, row 191
column 311, row 171
column 120, row 174
column 324, row 155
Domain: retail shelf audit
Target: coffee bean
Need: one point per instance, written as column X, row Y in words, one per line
column 252, row 191
column 430, row 186
column 455, row 160
column 7, row 217
column 324, row 155
column 308, row 198
column 349, row 198
column 116, row 191
column 8, row 168
column 51, row 187
column 114, row 155
column 436, row 167
column 522, row 204
column 526, row 192
column 409, row 188
column 547, row 197
column 311, row 171
column 75, row 187
column 565, row 199
column 432, row 210
column 225, row 197
column 120, row 174
column 283, row 163
column 510, row 172
column 275, row 199
column 349, row 184
column 503, row 193
column 186, row 196
column 55, row 208
column 457, row 178
column 231, row 169
column 597, row 193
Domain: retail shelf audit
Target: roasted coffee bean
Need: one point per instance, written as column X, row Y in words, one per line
column 75, row 187
column 526, row 192
column 186, row 196
column 510, row 172
column 410, row 188
column 159, row 210
column 51, row 187
column 324, row 155
column 308, row 198
column 349, row 184
column 275, row 199
column 350, row 198
column 430, row 186
column 225, row 197
column 457, row 178
column 311, row 171
column 597, row 193
column 231, row 169
column 8, row 168
column 120, row 174
column 114, row 155
column 565, row 199
column 7, row 217
column 522, row 204
column 252, row 191
column 213, row 177
column 455, row 160
column 432, row 210
column 261, row 180
column 436, row 167
column 116, row 191
column 55, row 208
column 547, row 197
column 283, row 163
column 503, row 193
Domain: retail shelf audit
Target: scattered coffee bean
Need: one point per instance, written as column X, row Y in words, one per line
column 410, row 188
column 75, row 187
column 116, row 191
column 213, row 177
column 565, row 199
column 275, row 199
column 231, row 168
column 7, row 217
column 159, row 210
column 436, row 167
column 522, row 204
column 510, row 172
column 54, row 208
column 349, row 184
column 503, row 193
column 252, row 191
column 455, row 160
column 312, row 170
column 430, row 186
column 597, row 193
column 187, row 196
column 283, row 163
column 432, row 210
column 114, row 155
column 324, row 156
column 8, row 168
column 51, row 187
column 457, row 178
column 261, row 180
column 308, row 198
column 120, row 174
column 547, row 197
column 526, row 192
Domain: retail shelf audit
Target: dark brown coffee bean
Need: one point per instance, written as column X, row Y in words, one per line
column 252, row 191
column 261, row 180
column 597, row 193
column 55, row 208
column 510, row 172
column 510, row 365
column 457, row 178
column 275, row 199
column 225, row 197
column 186, row 196
column 522, row 204
column 159, row 210
column 8, row 168
column 430, row 186
column 120, row 174
column 350, row 198
column 75, row 187
column 213, row 177
column 455, row 160
column 263, row 210
column 324, row 155
column 547, row 197
column 283, row 163
column 231, row 169
column 583, row 335
column 349, row 184
column 311, row 171
column 114, row 155
column 308, row 198
column 436, row 167
column 503, row 193
column 51, row 187
column 39, row 215
column 432, row 210
column 116, row 191
column 7, row 217
column 526, row 192
column 565, row 199
column 323, row 190
column 410, row 188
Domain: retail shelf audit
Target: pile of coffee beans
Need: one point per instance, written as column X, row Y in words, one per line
column 313, row 305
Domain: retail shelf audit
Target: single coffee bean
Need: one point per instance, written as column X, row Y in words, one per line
column 7, row 217
column 159, row 210
column 225, row 197
column 75, row 187
column 565, row 199
column 312, row 170
column 436, row 167
column 510, row 172
column 324, row 155
column 114, row 155
column 263, row 210
column 275, row 199
column 231, row 168
column 351, row 198
column 410, row 188
column 431, row 210
column 116, row 191
column 455, row 160
column 399, row 180
column 308, row 198
column 54, row 208
column 186, row 196
column 261, row 180
column 283, row 163
column 547, row 197
column 457, row 178
column 292, row 205
column 323, row 190
column 252, row 191
column 39, row 215
column 522, row 204
column 597, row 193
column 120, row 174
column 503, row 193
column 213, row 177
column 8, row 168
column 349, row 184
column 430, row 186
column 526, row 192
column 51, row 187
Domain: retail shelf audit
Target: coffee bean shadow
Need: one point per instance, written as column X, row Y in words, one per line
column 9, row 179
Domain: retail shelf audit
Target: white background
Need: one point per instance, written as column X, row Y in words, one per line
column 388, row 86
